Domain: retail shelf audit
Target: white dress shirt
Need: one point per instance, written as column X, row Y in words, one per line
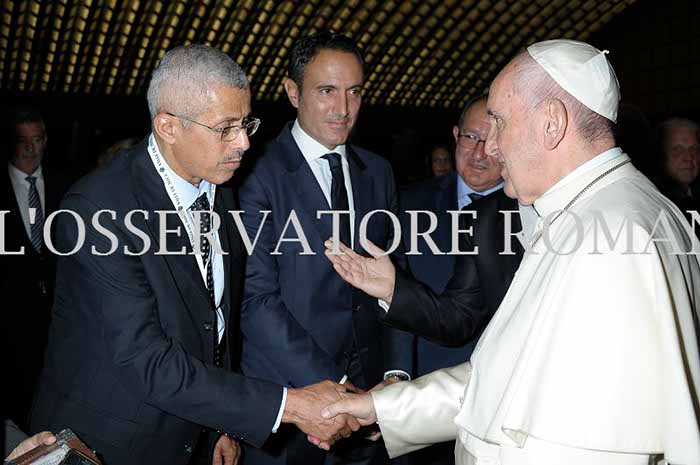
column 188, row 193
column 21, row 187
column 313, row 152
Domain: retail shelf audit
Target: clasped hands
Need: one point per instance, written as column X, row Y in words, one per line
column 329, row 411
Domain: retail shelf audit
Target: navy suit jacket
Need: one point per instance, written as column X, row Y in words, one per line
column 130, row 359
column 300, row 320
column 483, row 279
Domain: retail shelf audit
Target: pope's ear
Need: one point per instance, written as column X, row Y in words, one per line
column 292, row 92
column 556, row 121
column 165, row 126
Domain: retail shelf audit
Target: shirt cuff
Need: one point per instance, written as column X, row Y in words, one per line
column 342, row 381
column 397, row 372
column 383, row 304
column 278, row 422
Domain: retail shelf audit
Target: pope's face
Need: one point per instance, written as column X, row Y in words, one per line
column 478, row 170
column 511, row 141
column 681, row 150
column 330, row 97
column 199, row 152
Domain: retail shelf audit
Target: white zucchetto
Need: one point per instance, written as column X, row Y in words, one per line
column 583, row 71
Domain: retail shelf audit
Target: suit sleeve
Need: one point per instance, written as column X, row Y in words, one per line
column 415, row 414
column 265, row 319
column 152, row 363
column 452, row 318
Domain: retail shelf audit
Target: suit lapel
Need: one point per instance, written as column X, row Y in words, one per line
column 446, row 199
column 362, row 192
column 305, row 184
column 151, row 196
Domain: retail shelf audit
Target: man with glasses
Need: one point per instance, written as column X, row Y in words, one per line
column 301, row 322
column 142, row 356
column 476, row 186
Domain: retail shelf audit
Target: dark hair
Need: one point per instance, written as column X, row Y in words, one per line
column 468, row 105
column 26, row 114
column 305, row 50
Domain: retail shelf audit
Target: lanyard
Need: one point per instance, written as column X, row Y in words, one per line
column 163, row 170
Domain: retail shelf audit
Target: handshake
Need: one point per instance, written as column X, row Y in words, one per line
column 328, row 411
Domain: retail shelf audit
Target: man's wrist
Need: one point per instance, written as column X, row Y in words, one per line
column 289, row 415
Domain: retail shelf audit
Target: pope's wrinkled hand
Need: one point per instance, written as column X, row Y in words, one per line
column 374, row 275
column 303, row 408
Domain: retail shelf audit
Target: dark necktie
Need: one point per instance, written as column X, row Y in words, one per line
column 202, row 205
column 474, row 196
column 339, row 194
column 37, row 227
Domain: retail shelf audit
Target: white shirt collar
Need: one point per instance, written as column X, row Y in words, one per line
column 310, row 147
column 570, row 185
column 21, row 176
column 187, row 191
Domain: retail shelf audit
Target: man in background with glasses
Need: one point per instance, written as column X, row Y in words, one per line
column 142, row 354
column 476, row 186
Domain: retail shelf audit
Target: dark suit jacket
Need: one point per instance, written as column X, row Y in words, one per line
column 130, row 360
column 301, row 322
column 27, row 280
column 454, row 313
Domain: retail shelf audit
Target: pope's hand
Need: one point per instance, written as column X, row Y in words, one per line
column 375, row 276
column 360, row 406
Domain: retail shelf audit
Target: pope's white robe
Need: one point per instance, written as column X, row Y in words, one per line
column 592, row 357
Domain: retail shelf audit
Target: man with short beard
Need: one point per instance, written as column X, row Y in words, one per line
column 301, row 322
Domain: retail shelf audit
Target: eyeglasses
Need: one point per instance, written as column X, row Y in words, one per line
column 469, row 141
column 678, row 150
column 228, row 133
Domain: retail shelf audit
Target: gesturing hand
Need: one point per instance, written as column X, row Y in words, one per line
column 375, row 276
column 304, row 406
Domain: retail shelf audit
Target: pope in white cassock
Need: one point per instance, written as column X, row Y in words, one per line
column 592, row 357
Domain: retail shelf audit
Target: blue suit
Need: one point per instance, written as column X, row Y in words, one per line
column 301, row 322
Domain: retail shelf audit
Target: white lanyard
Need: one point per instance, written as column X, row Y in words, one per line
column 187, row 221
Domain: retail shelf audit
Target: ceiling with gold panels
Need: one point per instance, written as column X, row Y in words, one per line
column 429, row 53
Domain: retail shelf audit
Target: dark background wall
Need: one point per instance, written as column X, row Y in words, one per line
column 654, row 49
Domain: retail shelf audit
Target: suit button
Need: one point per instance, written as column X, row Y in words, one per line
column 188, row 448
column 356, row 308
column 347, row 354
column 208, row 326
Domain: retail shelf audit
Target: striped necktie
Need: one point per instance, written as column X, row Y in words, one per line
column 202, row 204
column 37, row 227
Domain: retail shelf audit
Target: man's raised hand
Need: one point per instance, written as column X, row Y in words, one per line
column 375, row 276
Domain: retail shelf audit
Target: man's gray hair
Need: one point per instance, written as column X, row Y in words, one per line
column 535, row 85
column 183, row 81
